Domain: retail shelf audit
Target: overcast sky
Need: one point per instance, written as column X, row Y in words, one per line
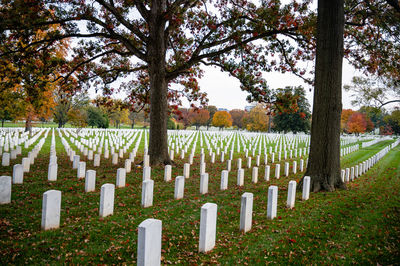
column 224, row 91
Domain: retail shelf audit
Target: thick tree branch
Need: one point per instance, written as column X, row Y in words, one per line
column 123, row 21
column 393, row 101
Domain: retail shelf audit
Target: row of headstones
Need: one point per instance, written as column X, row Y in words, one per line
column 148, row 184
column 7, row 157
column 149, row 233
column 372, row 142
column 349, row 149
column 349, row 174
column 24, row 167
column 96, row 157
column 150, row 230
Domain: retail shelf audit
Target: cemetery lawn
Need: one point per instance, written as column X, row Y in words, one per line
column 360, row 225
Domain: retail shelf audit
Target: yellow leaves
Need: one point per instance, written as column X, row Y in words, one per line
column 222, row 119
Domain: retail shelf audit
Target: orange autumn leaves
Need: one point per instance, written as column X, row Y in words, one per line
column 355, row 122
column 222, row 119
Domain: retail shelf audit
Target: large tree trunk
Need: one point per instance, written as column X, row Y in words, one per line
column 324, row 160
column 158, row 145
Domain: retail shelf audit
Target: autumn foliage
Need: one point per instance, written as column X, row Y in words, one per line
column 198, row 117
column 355, row 122
column 222, row 119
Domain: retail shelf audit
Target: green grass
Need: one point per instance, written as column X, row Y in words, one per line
column 360, row 225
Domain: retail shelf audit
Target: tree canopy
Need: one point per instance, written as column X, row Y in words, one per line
column 222, row 119
column 299, row 119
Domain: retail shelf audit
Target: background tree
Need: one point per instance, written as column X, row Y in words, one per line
column 96, row 117
column 256, row 119
column 297, row 119
column 33, row 73
column 376, row 115
column 78, row 117
column 237, row 117
column 211, row 110
column 344, row 118
column 393, row 122
column 198, row 117
column 222, row 119
column 374, row 91
column 182, row 116
column 68, row 105
column 356, row 123
column 10, row 103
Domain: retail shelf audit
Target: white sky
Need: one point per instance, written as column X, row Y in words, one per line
column 224, row 91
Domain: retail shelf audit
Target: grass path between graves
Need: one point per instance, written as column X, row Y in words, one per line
column 360, row 225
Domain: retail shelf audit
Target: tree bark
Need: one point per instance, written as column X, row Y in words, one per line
column 324, row 159
column 158, row 145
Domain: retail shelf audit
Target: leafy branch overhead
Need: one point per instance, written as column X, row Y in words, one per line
column 112, row 39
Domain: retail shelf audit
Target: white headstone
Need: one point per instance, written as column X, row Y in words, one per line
column 224, row 180
column 228, row 165
column 248, row 162
column 5, row 159
column 146, row 173
column 240, row 177
column 96, row 162
column 121, row 177
column 51, row 208
column 204, row 183
column 272, row 202
column 107, row 200
column 128, row 165
column 306, row 187
column 254, row 175
column 75, row 162
column 52, row 172
column 202, row 168
column 149, row 243
column 179, row 187
column 147, row 193
column 186, row 170
column 246, row 211
column 286, row 169
column 294, row 167
column 90, row 181
column 167, row 173
column 26, row 163
column 291, row 197
column 277, row 170
column 81, row 169
column 5, row 189
column 114, row 158
column 239, row 163
column 18, row 174
column 267, row 173
column 146, row 160
column 208, row 227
